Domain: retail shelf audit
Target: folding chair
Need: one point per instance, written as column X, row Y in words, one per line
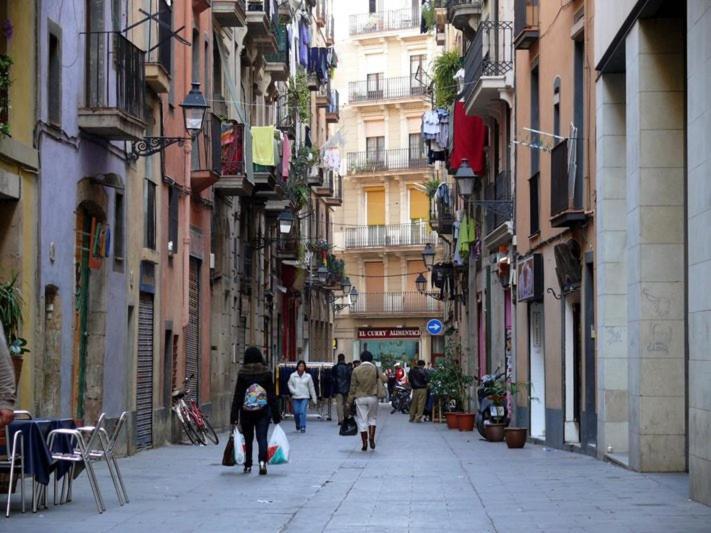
column 106, row 452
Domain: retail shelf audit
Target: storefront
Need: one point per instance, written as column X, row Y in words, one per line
column 402, row 344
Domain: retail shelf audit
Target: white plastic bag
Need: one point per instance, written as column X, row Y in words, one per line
column 278, row 449
column 239, row 447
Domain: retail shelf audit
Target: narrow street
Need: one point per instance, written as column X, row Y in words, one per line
column 420, row 478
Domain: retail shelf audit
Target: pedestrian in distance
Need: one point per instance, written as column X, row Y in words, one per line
column 301, row 387
column 356, row 364
column 254, row 405
column 342, row 375
column 7, row 383
column 418, row 381
column 367, row 386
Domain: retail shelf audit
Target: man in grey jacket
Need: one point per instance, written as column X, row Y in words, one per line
column 7, row 383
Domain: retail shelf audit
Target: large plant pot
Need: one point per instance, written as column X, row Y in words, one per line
column 494, row 432
column 452, row 420
column 515, row 437
column 466, row 421
column 17, row 366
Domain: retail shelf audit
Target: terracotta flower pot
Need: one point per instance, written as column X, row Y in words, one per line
column 452, row 420
column 515, row 437
column 494, row 432
column 466, row 421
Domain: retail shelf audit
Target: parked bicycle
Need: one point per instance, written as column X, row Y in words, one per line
column 194, row 423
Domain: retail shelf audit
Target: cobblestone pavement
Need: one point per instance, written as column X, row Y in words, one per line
column 421, row 477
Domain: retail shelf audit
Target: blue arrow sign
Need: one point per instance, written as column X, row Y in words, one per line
column 435, row 327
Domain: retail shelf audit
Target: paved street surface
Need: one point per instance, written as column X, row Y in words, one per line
column 422, row 477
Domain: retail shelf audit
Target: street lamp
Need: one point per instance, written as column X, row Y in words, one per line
column 428, row 255
column 346, row 286
column 354, row 296
column 322, row 274
column 286, row 222
column 465, row 178
column 421, row 283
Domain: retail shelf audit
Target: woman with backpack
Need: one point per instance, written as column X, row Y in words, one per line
column 254, row 405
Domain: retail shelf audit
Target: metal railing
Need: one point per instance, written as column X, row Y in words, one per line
column 232, row 146
column 384, row 89
column 375, row 161
column 115, row 75
column 282, row 53
column 566, row 193
column 411, row 234
column 500, row 191
column 526, row 14
column 259, row 5
column 400, row 19
column 489, row 54
column 395, row 302
column 207, row 147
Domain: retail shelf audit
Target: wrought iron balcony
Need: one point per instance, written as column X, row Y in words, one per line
column 391, row 235
column 487, row 62
column 206, row 160
column 262, row 24
column 233, row 180
column 390, row 303
column 385, row 160
column 499, row 193
column 566, row 190
column 464, row 14
column 277, row 63
column 229, row 13
column 336, row 198
column 114, row 92
column 378, row 89
column 400, row 19
column 526, row 16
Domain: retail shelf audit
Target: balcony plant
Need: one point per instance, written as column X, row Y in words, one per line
column 445, row 86
column 428, row 15
column 11, row 318
column 431, row 187
column 5, row 83
column 299, row 95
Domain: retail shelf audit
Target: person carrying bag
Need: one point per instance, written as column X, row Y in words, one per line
column 366, row 388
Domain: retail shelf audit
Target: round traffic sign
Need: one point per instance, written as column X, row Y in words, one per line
column 435, row 327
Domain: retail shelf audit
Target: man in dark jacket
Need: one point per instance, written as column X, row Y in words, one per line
column 342, row 377
column 418, row 381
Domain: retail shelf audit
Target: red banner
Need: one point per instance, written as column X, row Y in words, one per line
column 388, row 333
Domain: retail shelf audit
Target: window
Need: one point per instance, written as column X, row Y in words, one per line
column 535, row 121
column 417, row 64
column 54, row 78
column 149, row 215
column 95, row 55
column 118, row 227
column 578, row 120
column 416, row 147
column 374, row 83
column 533, row 198
column 196, row 56
column 375, row 148
column 173, row 218
column 216, row 68
column 556, row 107
column 372, row 6
column 165, row 47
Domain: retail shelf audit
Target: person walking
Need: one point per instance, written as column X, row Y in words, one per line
column 253, row 405
column 366, row 387
column 301, row 387
column 418, row 381
column 7, row 383
column 342, row 375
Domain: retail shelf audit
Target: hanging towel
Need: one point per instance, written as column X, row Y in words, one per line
column 469, row 140
column 263, row 145
column 467, row 234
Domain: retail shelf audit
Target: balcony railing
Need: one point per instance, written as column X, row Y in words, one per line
column 282, row 53
column 333, row 109
column 395, row 302
column 500, row 191
column 526, row 16
column 490, row 54
column 382, row 160
column 115, row 73
column 232, row 146
column 260, row 5
column 566, row 190
column 207, row 147
column 412, row 234
column 384, row 89
column 401, row 19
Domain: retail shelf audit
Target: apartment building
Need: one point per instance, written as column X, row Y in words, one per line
column 383, row 226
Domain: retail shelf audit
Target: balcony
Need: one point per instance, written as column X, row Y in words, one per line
column 399, row 159
column 288, row 246
column 277, row 63
column 526, row 15
column 488, row 66
column 566, row 190
column 395, row 303
column 499, row 214
column 233, row 180
column 113, row 106
column 322, row 96
column 261, row 25
column 330, row 31
column 336, row 198
column 396, row 20
column 380, row 89
column 392, row 235
column 464, row 14
column 326, row 188
column 206, row 159
column 229, row 13
column 333, row 108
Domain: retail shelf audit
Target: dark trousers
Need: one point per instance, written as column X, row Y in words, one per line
column 255, row 421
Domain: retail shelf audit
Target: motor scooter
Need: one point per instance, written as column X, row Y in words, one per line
column 488, row 412
column 400, row 399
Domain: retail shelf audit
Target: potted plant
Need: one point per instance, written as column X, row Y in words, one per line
column 450, row 383
column 516, row 436
column 11, row 318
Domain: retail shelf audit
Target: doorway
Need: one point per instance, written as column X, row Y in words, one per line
column 537, row 370
column 573, row 368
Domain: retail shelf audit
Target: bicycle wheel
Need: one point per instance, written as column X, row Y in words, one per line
column 209, row 432
column 186, row 425
column 194, row 428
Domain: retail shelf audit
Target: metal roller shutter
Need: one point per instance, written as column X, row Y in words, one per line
column 144, row 373
column 192, row 337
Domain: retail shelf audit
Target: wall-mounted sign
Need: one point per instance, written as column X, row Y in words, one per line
column 374, row 334
column 530, row 278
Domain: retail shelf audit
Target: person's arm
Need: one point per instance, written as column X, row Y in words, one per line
column 352, row 389
column 292, row 384
column 312, row 390
column 272, row 400
column 237, row 401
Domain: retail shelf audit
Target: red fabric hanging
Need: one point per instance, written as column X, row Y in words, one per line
column 469, row 141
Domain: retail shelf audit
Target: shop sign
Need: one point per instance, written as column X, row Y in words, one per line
column 530, row 278
column 388, row 333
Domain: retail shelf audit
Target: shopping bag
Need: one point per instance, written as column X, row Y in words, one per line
column 228, row 456
column 348, row 427
column 278, row 449
column 239, row 447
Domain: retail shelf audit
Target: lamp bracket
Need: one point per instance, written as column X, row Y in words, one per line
column 151, row 145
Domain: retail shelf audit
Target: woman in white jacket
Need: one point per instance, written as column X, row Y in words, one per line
column 301, row 387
